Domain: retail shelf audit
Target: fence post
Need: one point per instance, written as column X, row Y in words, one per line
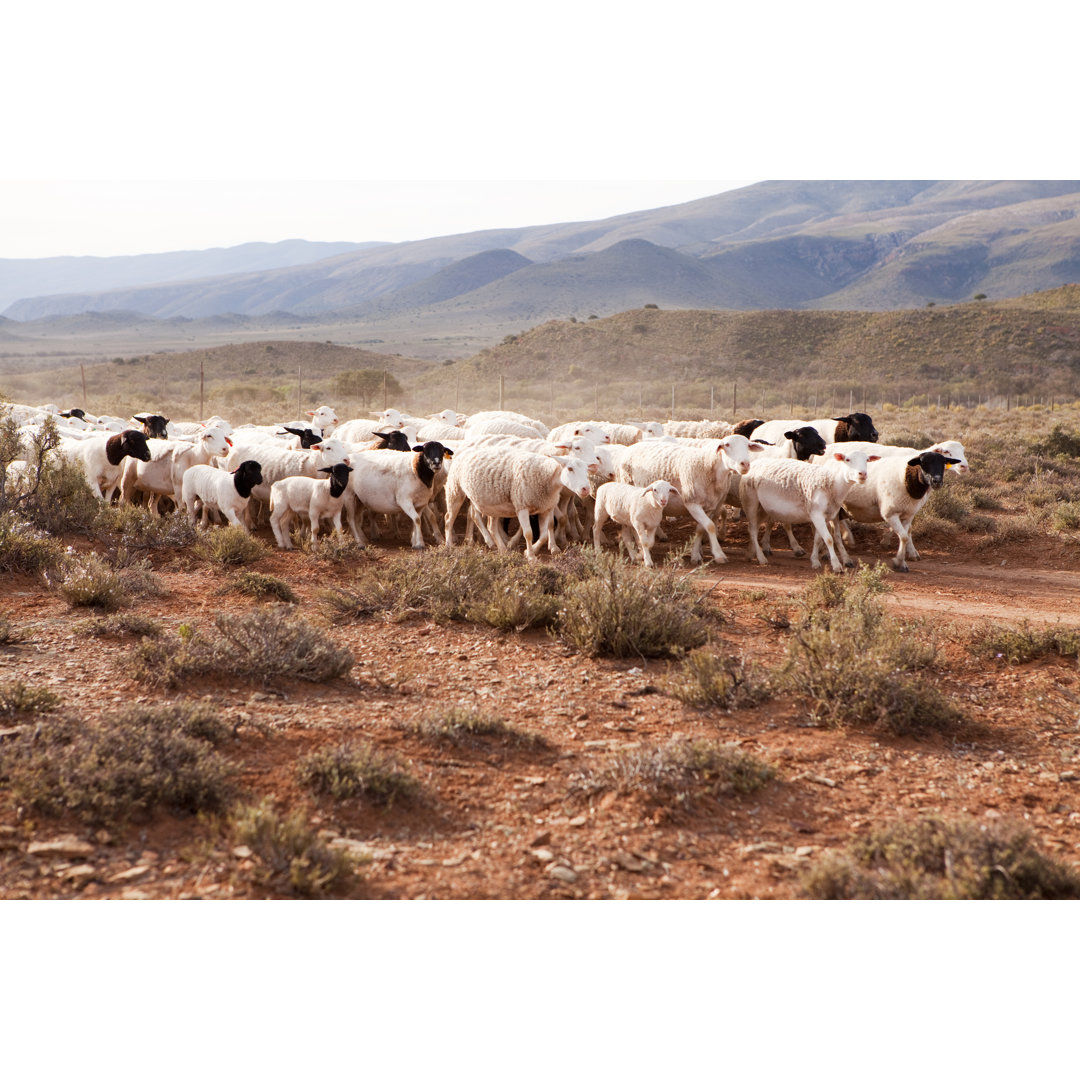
column 82, row 371
column 734, row 400
column 300, row 391
column 202, row 387
column 672, row 401
column 502, row 391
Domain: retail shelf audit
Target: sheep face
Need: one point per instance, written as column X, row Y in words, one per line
column 734, row 453
column 392, row 440
column 858, row 426
column 856, row 462
column 807, row 442
column 246, row 477
column 932, row 467
column 661, row 492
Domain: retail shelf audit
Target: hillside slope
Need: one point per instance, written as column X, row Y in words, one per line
column 853, row 244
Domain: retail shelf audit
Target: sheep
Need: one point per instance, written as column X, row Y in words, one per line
column 387, row 482
column 512, row 484
column 310, row 498
column 700, row 475
column 426, row 430
column 207, row 488
column 851, row 428
column 195, row 427
column 100, row 457
column 699, row 429
column 949, row 448
column 638, row 510
column 896, row 489
column 279, row 461
column 163, row 474
column 482, row 419
column 154, row 426
column 596, row 430
column 795, row 492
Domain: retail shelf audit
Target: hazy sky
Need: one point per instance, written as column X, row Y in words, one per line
column 129, row 128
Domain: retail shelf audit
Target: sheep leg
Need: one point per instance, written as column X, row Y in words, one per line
column 706, row 524
column 526, row 531
column 796, row 548
column 455, row 500
column 899, row 561
column 645, row 538
column 599, row 520
column 821, row 530
column 352, row 506
column 279, row 522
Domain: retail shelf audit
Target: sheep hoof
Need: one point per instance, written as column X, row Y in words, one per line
column 850, row 564
column 798, row 553
column 902, row 569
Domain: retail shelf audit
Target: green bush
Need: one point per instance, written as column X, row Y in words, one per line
column 934, row 859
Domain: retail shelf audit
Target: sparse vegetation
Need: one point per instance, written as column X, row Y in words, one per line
column 1024, row 643
column 121, row 624
column 678, row 772
column 463, row 726
column 89, row 581
column 854, row 662
column 934, row 859
column 230, row 546
column 356, row 771
column 17, row 699
column 258, row 646
column 707, row 679
column 263, row 587
column 621, row 610
column 292, row 859
column 114, row 768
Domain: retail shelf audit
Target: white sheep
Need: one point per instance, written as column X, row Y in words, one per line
column 278, row 461
column 637, row 510
column 700, row 475
column 101, row 458
column 390, row 482
column 206, row 488
column 595, row 430
column 315, row 499
column 896, row 489
column 949, row 448
column 480, row 419
column 795, row 492
column 163, row 474
column 697, row 429
column 511, row 483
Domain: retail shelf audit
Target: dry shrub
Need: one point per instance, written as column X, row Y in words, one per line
column 16, row 698
column 706, row 679
column 122, row 765
column 89, row 581
column 855, row 663
column 262, row 587
column 256, row 645
column 122, row 624
column 465, row 584
column 463, row 726
column 934, row 859
column 622, row 610
column 26, row 549
column 679, row 772
column 356, row 771
column 1024, row 643
column 230, row 546
column 292, row 859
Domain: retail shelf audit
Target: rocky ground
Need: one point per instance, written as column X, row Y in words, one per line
column 501, row 816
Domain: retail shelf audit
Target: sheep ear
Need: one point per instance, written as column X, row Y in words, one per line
column 757, row 447
column 447, row 452
column 838, row 455
column 418, row 449
column 951, row 460
column 327, row 468
column 309, row 413
column 873, row 457
column 916, row 461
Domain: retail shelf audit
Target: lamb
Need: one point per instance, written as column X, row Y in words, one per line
column 512, row 484
column 896, row 489
column 638, row 510
column 207, row 488
column 100, row 457
column 323, row 423
column 795, row 492
column 163, row 474
column 314, row 499
column 387, row 482
column 701, row 476
column 596, row 430
column 278, row 461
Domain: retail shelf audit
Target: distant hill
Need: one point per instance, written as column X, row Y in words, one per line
column 24, row 278
column 831, row 245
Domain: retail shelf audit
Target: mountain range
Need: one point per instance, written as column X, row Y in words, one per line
column 858, row 245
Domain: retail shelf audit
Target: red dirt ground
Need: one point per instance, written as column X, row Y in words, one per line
column 496, row 819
